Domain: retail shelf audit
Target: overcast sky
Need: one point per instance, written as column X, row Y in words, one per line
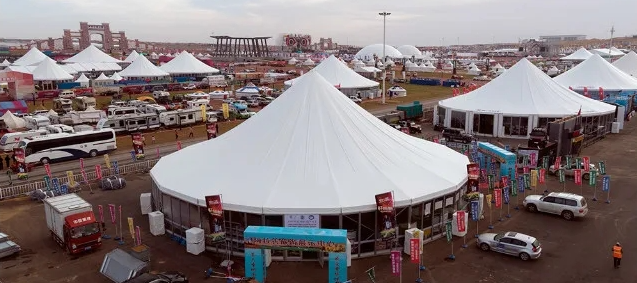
column 416, row 22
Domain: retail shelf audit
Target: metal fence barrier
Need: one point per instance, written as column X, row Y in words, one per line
column 25, row 189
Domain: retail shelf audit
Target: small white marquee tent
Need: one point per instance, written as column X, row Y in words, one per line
column 142, row 68
column 579, row 55
column 627, row 63
column 185, row 64
column 83, row 80
column 338, row 74
column 92, row 54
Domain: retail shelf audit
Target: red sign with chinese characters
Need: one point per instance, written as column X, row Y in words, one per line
column 414, row 250
column 98, row 172
column 578, row 176
column 558, row 163
column 395, row 263
column 542, row 177
column 587, row 163
column 526, row 169
column 462, row 225
column 497, row 196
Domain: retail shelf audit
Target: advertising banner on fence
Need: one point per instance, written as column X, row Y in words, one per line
column 215, row 208
column 414, row 250
column 385, row 205
column 71, row 178
column 211, row 130
column 138, row 145
column 473, row 170
column 302, row 220
column 395, row 263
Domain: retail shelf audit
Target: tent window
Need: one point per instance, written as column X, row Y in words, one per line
column 458, row 119
column 544, row 122
column 483, row 124
column 515, row 126
column 441, row 115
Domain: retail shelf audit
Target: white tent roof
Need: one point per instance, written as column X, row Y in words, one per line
column 554, row 69
column 116, row 77
column 408, row 51
column 51, row 113
column 91, row 54
column 498, row 66
column 308, row 62
column 21, row 69
column 249, row 88
column 338, row 74
column 103, row 77
column 82, row 79
column 131, row 57
column 312, row 150
column 185, row 63
column 49, row 70
column 596, row 72
column 141, row 67
column 12, row 121
column 526, row 90
column 627, row 63
column 579, row 55
column 5, row 63
column 292, row 61
column 474, row 68
column 32, row 57
column 377, row 49
column 606, row 52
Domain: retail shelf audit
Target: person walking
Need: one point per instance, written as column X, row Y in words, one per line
column 191, row 133
column 176, row 135
column 153, row 139
column 7, row 160
column 617, row 255
column 1, row 164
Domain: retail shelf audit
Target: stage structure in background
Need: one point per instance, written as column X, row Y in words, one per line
column 227, row 46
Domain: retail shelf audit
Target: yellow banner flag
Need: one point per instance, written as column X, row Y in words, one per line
column 69, row 175
column 131, row 228
column 107, row 159
column 225, row 108
column 203, row 113
column 534, row 176
column 489, row 197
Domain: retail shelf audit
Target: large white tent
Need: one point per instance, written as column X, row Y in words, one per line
column 91, row 54
column 83, row 80
column 311, row 151
column 186, row 63
column 606, row 52
column 49, row 70
column 131, row 57
column 368, row 52
column 142, row 68
column 116, row 77
column 579, row 55
column 337, row 73
column 627, row 63
column 515, row 102
column 5, row 63
column 594, row 73
column 409, row 51
column 32, row 57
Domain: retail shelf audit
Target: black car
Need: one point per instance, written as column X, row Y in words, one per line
column 538, row 138
column 439, row 127
column 454, row 135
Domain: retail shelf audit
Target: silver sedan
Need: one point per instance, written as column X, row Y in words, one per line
column 512, row 243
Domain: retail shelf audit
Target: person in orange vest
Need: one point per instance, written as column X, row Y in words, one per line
column 617, row 255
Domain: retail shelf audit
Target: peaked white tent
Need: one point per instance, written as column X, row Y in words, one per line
column 116, row 77
column 13, row 121
column 32, row 57
column 579, row 55
column 83, row 80
column 5, row 63
column 308, row 62
column 627, row 63
column 91, row 54
column 102, row 77
column 292, row 61
column 247, row 90
column 474, row 71
column 142, row 68
column 512, row 104
column 553, row 71
column 594, row 73
column 338, row 74
column 605, row 52
column 49, row 70
column 311, row 141
column 131, row 57
column 154, row 56
column 186, row 63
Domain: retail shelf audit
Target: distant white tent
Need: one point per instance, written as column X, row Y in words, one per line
column 579, row 55
column 293, row 61
column 49, row 70
column 142, row 68
column 5, row 63
column 605, row 52
column 474, row 71
column 186, row 63
column 83, row 80
column 308, row 62
column 154, row 56
column 627, row 63
column 498, row 69
column 92, row 54
column 131, row 57
column 51, row 113
column 32, row 57
column 12, row 121
column 116, row 77
column 102, row 77
column 553, row 71
column 338, row 74
column 409, row 51
column 248, row 89
column 594, row 73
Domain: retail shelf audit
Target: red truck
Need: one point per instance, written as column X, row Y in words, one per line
column 72, row 224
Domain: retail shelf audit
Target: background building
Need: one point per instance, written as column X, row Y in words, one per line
column 558, row 38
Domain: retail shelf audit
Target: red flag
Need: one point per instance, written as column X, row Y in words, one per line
column 601, row 93
column 462, row 225
column 98, row 172
column 558, row 162
column 111, row 209
column 81, row 164
column 47, row 168
column 586, row 92
column 578, row 176
column 497, row 195
column 157, row 152
column 579, row 113
column 505, row 181
column 587, row 163
column 526, row 170
column 542, row 177
column 414, row 250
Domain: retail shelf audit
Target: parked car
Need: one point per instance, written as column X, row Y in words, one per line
column 228, row 100
column 189, row 87
column 570, row 171
column 158, row 88
column 355, row 99
column 67, row 94
column 456, row 135
column 439, row 127
column 512, row 243
column 567, row 205
column 413, row 127
column 253, row 103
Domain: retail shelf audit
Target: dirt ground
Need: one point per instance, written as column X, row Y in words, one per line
column 577, row 251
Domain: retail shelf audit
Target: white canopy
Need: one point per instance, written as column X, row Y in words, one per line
column 308, row 62
column 49, row 70
column 103, row 77
column 116, row 77
column 5, row 63
column 526, row 90
column 82, row 79
column 51, row 113
column 91, row 54
column 248, row 89
column 553, row 71
column 368, row 52
column 594, row 73
column 312, row 150
column 605, row 52
column 131, row 57
column 474, row 70
column 579, row 55
column 12, row 121
column 408, row 51
column 142, row 68
column 364, row 69
column 338, row 74
column 498, row 66
column 627, row 63
column 32, row 57
column 292, row 61
column 185, row 63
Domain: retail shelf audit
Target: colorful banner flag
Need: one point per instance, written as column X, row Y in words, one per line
column 526, row 169
column 56, row 184
column 542, row 176
column 527, row 181
column 131, row 228
column 395, row 263
column 448, row 231
column 98, row 172
column 533, row 159
column 521, row 183
column 225, row 109
column 138, row 236
column 545, row 162
column 473, row 185
column 578, row 163
column 606, row 183
column 371, row 273
column 64, row 189
column 138, row 146
column 414, row 250
column 514, row 187
column 525, row 160
column 157, row 152
column 602, row 168
column 116, row 167
column 211, row 130
column 475, row 210
column 81, row 164
column 560, row 174
column 214, row 204
column 534, row 177
column 100, row 208
column 473, row 170
column 203, row 113
column 587, row 163
column 577, row 174
column 107, row 160
column 497, row 195
column 567, row 162
column 385, row 205
column 47, row 169
column 491, row 182
column 505, row 193
column 592, row 179
column 558, row 163
column 84, row 178
column 504, row 180
column 489, row 198
column 47, row 182
column 111, row 208
column 71, row 177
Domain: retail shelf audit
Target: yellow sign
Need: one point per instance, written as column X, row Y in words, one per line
column 69, row 175
column 534, row 177
column 107, row 159
column 225, row 108
column 130, row 227
column 203, row 113
column 489, row 196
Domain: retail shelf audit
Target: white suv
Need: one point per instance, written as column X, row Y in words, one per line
column 567, row 205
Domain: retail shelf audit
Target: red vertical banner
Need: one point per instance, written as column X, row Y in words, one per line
column 578, row 176
column 586, row 92
column 81, row 164
column 542, row 178
column 414, row 250
column 460, row 221
column 395, row 263
column 157, row 151
column 47, row 169
column 111, row 209
column 505, row 181
column 497, row 195
column 601, row 93
column 211, row 130
column 178, row 145
column 473, row 170
column 436, row 140
column 100, row 208
column 587, row 163
column 138, row 145
column 387, row 219
column 84, row 178
column 98, row 172
column 558, row 163
column 526, row 170
column 215, row 208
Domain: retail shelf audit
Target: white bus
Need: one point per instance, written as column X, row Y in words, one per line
column 10, row 140
column 66, row 146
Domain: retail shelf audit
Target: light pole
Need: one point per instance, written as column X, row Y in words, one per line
column 384, row 14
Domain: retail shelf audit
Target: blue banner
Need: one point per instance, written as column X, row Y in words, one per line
column 475, row 209
column 64, row 189
column 47, row 183
column 337, row 268
column 606, row 183
column 133, row 156
column 56, row 184
column 521, row 183
column 255, row 264
column 491, row 166
column 505, row 193
column 116, row 168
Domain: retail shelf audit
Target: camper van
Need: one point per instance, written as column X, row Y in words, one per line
column 216, row 81
column 152, row 108
column 62, row 105
column 10, row 140
column 82, row 103
column 114, row 111
column 37, row 121
column 196, row 104
column 58, row 129
column 67, row 94
column 180, row 118
column 133, row 122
